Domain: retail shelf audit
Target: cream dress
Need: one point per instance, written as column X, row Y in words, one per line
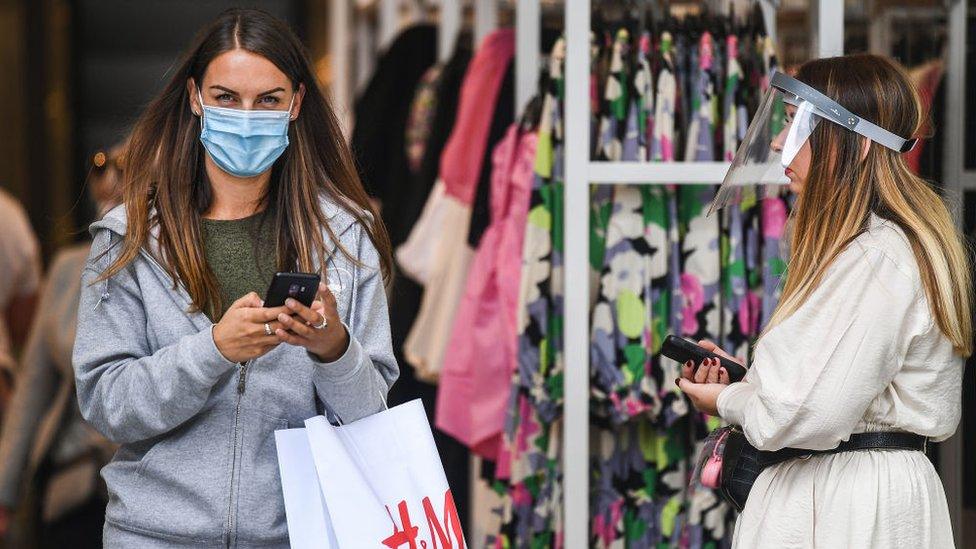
column 862, row 354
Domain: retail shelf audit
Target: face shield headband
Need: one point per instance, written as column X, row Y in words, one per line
column 773, row 139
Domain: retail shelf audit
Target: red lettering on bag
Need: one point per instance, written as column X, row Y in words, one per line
column 451, row 520
column 407, row 536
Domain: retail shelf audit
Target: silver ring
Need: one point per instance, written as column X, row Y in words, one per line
column 325, row 322
column 267, row 329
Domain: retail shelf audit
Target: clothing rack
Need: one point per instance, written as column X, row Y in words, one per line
column 581, row 172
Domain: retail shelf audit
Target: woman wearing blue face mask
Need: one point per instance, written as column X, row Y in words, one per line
column 238, row 169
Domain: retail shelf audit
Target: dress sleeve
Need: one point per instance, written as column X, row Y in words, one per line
column 811, row 383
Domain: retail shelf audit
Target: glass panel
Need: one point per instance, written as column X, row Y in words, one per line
column 912, row 31
column 795, row 22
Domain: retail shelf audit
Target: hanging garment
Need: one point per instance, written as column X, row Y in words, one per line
column 530, row 463
column 421, row 117
column 476, row 379
column 462, row 157
column 644, row 92
column 503, row 117
column 421, row 182
column 417, row 257
column 732, row 248
column 489, row 73
column 381, row 116
column 626, row 260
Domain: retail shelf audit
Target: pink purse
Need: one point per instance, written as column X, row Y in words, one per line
column 711, row 473
column 728, row 464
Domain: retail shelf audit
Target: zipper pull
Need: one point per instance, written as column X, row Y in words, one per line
column 105, row 295
column 242, row 378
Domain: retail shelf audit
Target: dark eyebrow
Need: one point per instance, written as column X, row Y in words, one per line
column 262, row 94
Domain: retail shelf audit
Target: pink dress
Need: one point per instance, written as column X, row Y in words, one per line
column 477, row 373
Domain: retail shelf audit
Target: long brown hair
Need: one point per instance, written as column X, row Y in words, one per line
column 165, row 184
column 842, row 190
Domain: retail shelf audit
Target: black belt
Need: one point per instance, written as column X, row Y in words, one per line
column 893, row 440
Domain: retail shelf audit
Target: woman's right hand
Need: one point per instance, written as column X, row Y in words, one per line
column 711, row 370
column 241, row 334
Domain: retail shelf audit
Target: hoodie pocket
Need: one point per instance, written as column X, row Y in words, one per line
column 260, row 504
column 179, row 488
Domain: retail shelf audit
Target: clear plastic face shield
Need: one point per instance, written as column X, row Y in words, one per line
column 787, row 116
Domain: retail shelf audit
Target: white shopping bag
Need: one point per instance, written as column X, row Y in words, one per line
column 308, row 521
column 382, row 485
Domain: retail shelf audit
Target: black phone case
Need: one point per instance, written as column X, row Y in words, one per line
column 682, row 350
column 300, row 286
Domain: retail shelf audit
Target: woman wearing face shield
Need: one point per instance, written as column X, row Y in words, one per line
column 861, row 364
column 238, row 169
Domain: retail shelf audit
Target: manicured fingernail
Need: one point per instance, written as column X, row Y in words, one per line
column 282, row 317
column 290, row 303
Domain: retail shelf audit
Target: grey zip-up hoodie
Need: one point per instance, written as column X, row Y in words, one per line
column 197, row 463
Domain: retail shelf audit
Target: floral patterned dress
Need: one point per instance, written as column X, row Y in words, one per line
column 532, row 447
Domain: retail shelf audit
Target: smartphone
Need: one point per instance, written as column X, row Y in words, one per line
column 301, row 287
column 682, row 350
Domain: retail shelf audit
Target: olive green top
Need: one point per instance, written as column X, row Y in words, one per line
column 241, row 254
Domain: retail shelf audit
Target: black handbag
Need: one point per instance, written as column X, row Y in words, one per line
column 740, row 468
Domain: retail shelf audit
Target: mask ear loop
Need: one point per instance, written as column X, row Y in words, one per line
column 290, row 105
column 203, row 110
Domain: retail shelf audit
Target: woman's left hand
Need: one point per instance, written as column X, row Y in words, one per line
column 328, row 343
column 704, row 396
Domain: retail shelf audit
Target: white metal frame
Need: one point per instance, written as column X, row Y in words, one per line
column 580, row 173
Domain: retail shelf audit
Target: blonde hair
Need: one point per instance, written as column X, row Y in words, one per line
column 842, row 190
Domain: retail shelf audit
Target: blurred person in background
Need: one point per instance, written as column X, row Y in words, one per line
column 237, row 169
column 45, row 446
column 20, row 275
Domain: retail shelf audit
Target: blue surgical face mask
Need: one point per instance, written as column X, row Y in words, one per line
column 244, row 143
